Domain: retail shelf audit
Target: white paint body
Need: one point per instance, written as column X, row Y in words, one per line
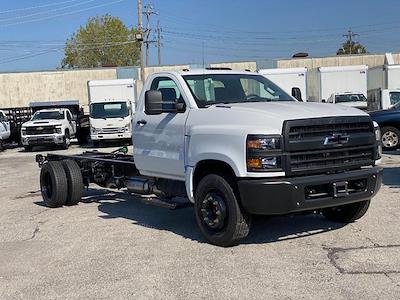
column 108, row 91
column 171, row 145
column 4, row 126
column 288, row 78
column 325, row 81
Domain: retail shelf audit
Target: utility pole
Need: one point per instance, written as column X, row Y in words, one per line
column 148, row 11
column 159, row 42
column 350, row 34
column 140, row 39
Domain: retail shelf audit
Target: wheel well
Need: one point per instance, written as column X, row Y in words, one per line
column 389, row 124
column 207, row 167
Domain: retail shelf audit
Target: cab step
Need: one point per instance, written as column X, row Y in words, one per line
column 172, row 204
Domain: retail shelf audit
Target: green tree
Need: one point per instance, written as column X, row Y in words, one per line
column 103, row 41
column 351, row 48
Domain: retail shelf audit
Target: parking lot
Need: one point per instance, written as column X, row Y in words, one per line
column 116, row 246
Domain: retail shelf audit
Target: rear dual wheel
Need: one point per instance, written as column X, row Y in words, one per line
column 61, row 183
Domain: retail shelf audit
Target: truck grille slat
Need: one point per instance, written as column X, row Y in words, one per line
column 307, row 150
column 40, row 130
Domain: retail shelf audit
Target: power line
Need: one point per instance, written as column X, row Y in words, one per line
column 62, row 14
column 46, row 12
column 36, row 7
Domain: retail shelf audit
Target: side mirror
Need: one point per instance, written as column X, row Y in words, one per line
column 153, row 102
column 296, row 93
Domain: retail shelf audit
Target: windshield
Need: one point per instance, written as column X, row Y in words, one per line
column 350, row 98
column 394, row 98
column 48, row 115
column 109, row 110
column 209, row 89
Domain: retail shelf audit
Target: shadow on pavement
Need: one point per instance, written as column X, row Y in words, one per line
column 182, row 221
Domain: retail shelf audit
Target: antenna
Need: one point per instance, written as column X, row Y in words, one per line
column 202, row 52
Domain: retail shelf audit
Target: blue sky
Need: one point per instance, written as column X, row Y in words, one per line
column 32, row 32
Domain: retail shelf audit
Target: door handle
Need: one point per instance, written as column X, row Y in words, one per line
column 141, row 122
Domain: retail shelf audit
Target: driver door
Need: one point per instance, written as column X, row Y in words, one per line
column 159, row 140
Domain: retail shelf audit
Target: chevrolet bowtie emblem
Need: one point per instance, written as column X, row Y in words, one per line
column 336, row 139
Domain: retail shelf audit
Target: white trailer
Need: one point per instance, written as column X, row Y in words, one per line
column 324, row 83
column 383, row 86
column 112, row 105
column 288, row 78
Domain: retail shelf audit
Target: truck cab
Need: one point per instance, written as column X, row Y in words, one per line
column 352, row 99
column 4, row 129
column 49, row 127
column 112, row 105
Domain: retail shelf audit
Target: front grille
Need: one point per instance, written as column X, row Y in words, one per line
column 328, row 144
column 112, row 130
column 40, row 130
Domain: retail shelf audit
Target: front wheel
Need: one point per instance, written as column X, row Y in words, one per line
column 346, row 213
column 390, row 138
column 218, row 214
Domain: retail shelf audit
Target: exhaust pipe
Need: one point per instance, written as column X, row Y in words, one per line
column 143, row 186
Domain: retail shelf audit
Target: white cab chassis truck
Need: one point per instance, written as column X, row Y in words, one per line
column 112, row 103
column 234, row 145
column 324, row 83
column 289, row 79
column 5, row 131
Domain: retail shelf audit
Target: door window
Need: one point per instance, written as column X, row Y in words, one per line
column 168, row 88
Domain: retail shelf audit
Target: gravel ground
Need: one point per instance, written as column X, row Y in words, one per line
column 114, row 246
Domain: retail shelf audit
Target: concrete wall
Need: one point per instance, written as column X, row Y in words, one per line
column 19, row 89
column 371, row 60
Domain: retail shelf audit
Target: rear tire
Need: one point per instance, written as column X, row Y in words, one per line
column 218, row 214
column 66, row 141
column 346, row 213
column 390, row 137
column 74, row 181
column 53, row 184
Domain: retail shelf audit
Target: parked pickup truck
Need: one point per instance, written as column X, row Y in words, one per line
column 389, row 121
column 49, row 127
column 4, row 129
column 234, row 145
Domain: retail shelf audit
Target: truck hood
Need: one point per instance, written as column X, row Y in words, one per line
column 289, row 110
column 42, row 123
column 261, row 118
column 356, row 104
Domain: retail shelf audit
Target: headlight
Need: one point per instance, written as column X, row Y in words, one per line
column 127, row 127
column 377, row 131
column 263, row 153
column 94, row 130
column 58, row 130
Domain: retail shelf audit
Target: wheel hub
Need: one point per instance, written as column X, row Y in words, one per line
column 390, row 139
column 213, row 211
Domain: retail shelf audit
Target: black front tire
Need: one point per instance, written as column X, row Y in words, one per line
column 74, row 180
column 1, row 146
column 346, row 213
column 53, row 184
column 235, row 223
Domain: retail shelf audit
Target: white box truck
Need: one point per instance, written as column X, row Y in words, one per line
column 112, row 105
column 383, row 87
column 288, row 78
column 346, row 85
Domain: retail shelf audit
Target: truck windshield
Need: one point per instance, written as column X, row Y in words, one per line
column 209, row 89
column 350, row 98
column 48, row 115
column 109, row 110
